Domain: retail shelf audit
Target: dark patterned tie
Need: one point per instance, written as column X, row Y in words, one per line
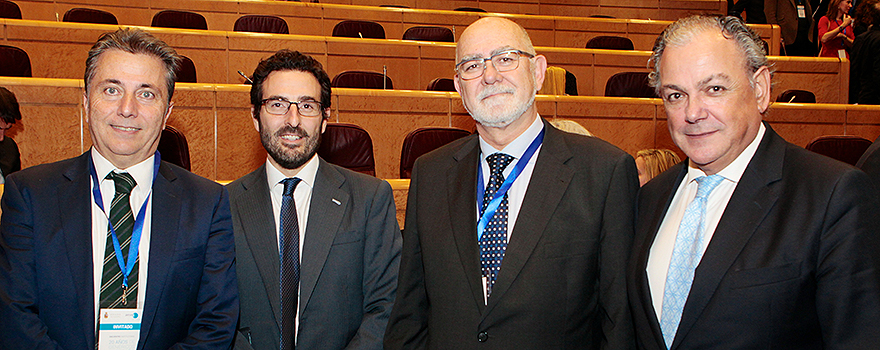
column 289, row 238
column 122, row 219
column 493, row 241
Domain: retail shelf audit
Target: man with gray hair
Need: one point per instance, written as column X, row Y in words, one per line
column 752, row 242
column 115, row 249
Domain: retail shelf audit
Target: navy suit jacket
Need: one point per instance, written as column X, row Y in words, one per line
column 46, row 272
column 792, row 264
column 348, row 274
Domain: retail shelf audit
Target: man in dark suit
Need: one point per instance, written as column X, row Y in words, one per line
column 783, row 252
column 870, row 162
column 795, row 20
column 539, row 263
column 339, row 294
column 115, row 232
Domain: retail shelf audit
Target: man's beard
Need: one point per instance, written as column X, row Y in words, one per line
column 481, row 113
column 285, row 156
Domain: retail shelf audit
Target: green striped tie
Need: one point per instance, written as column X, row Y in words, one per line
column 122, row 219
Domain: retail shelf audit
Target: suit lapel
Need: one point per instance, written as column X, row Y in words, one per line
column 326, row 209
column 258, row 225
column 645, row 240
column 165, row 202
column 461, row 185
column 547, row 186
column 754, row 197
column 76, row 224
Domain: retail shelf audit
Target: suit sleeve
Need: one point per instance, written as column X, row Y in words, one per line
column 20, row 325
column 217, row 310
column 770, row 12
column 408, row 326
column 617, row 237
column 848, row 266
column 381, row 262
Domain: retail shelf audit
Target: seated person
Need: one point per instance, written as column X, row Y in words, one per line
column 10, row 160
column 652, row 162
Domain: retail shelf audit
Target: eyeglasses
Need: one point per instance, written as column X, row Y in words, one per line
column 503, row 61
column 280, row 106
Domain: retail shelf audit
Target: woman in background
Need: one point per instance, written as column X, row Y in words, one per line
column 835, row 30
column 652, row 162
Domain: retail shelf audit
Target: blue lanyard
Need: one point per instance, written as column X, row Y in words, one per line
column 125, row 267
column 505, row 186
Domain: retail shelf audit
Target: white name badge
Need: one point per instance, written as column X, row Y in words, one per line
column 841, row 53
column 802, row 11
column 119, row 329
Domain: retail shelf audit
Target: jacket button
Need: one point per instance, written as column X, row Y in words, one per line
column 483, row 336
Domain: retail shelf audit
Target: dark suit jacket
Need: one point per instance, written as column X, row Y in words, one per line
column 46, row 272
column 792, row 263
column 865, row 68
column 870, row 162
column 784, row 13
column 561, row 284
column 348, row 274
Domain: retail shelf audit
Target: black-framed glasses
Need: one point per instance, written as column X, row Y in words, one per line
column 280, row 106
column 503, row 61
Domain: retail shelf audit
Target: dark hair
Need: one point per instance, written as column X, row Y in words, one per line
column 868, row 12
column 289, row 60
column 134, row 41
column 682, row 31
column 8, row 106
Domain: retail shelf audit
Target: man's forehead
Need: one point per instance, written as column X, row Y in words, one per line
column 488, row 37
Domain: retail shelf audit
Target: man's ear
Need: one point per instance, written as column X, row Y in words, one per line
column 540, row 71
column 255, row 120
column 762, row 88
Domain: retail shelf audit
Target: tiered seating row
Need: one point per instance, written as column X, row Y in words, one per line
column 224, row 145
column 560, row 29
column 58, row 50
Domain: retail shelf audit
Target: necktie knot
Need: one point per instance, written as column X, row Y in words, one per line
column 290, row 185
column 706, row 184
column 124, row 182
column 498, row 162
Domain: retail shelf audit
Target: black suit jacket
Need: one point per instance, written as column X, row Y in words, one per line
column 870, row 162
column 792, row 263
column 348, row 274
column 561, row 284
column 46, row 272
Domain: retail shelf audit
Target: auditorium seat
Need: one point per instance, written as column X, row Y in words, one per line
column 9, row 9
column 179, row 19
column 629, row 84
column 845, row 148
column 424, row 140
column 609, row 42
column 796, row 96
column 86, row 15
column 261, row 24
column 571, row 84
column 348, row 146
column 441, row 84
column 14, row 62
column 469, row 9
column 174, row 148
column 359, row 29
column 186, row 73
column 362, row 80
column 429, row 33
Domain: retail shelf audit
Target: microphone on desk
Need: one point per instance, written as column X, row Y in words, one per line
column 384, row 77
column 249, row 81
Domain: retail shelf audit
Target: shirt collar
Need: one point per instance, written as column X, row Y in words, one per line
column 519, row 145
column 733, row 171
column 141, row 172
column 306, row 175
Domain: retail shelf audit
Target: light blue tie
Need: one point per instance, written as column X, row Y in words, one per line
column 686, row 256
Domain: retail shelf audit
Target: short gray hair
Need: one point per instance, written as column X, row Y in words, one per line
column 684, row 30
column 134, row 41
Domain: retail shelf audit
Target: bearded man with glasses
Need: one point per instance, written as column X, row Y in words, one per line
column 517, row 237
column 317, row 245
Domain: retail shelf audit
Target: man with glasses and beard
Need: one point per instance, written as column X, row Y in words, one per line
column 317, row 245
column 516, row 238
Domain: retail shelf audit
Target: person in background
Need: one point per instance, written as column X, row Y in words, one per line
column 865, row 68
column 652, row 162
column 795, row 20
column 570, row 126
column 835, row 30
column 10, row 159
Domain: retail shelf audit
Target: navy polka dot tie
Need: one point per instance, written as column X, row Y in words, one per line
column 493, row 240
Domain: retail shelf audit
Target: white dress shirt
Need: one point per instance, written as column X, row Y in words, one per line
column 661, row 251
column 302, row 196
column 143, row 176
